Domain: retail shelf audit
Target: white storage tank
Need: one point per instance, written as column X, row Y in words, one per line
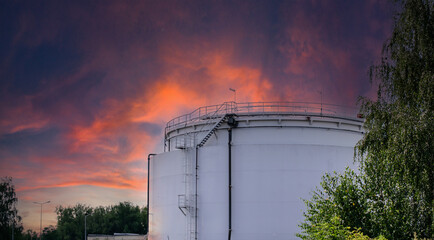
column 240, row 170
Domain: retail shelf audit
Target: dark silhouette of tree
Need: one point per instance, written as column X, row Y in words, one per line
column 50, row 233
column 30, row 235
column 10, row 221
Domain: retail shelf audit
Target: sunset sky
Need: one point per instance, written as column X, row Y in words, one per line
column 87, row 86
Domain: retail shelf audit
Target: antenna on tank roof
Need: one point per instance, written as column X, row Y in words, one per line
column 321, row 92
column 235, row 93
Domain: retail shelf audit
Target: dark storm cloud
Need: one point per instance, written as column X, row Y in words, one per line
column 26, row 143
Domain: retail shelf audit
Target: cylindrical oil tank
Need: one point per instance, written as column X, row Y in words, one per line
column 241, row 170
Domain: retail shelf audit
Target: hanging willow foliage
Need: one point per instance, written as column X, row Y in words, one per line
column 397, row 152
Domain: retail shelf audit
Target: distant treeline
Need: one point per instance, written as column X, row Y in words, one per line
column 121, row 218
column 124, row 217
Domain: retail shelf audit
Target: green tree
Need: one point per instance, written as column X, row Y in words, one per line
column 397, row 150
column 126, row 218
column 10, row 221
column 342, row 205
column 30, row 235
column 50, row 233
column 98, row 222
column 393, row 194
column 333, row 229
column 70, row 221
column 340, row 195
column 121, row 218
column 144, row 219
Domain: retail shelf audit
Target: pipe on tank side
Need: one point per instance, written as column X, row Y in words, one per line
column 147, row 198
column 195, row 196
column 232, row 124
column 230, row 180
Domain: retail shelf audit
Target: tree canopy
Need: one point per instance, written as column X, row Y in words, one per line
column 121, row 218
column 393, row 194
column 397, row 152
column 340, row 209
column 10, row 221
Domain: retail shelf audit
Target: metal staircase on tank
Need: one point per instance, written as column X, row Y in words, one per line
column 212, row 131
column 190, row 178
column 187, row 201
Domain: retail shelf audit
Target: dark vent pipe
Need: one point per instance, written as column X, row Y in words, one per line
column 230, row 181
column 147, row 199
column 232, row 124
column 195, row 195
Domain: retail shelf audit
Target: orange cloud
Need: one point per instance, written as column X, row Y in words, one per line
column 22, row 117
column 58, row 177
column 122, row 185
column 173, row 94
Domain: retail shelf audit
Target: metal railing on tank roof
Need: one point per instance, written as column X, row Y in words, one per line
column 209, row 112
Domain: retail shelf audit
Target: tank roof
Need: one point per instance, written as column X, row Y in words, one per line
column 206, row 113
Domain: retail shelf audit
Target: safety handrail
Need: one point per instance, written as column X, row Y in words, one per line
column 207, row 112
